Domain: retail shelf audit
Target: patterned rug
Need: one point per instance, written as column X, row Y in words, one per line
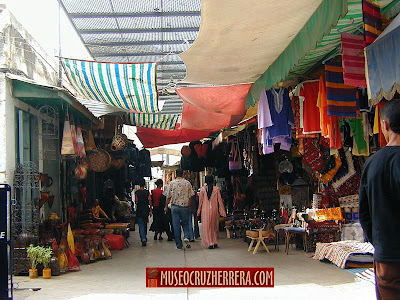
column 363, row 273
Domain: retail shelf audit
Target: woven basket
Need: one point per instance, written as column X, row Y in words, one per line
column 99, row 160
column 119, row 142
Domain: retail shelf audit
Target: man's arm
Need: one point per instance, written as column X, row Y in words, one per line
column 166, row 204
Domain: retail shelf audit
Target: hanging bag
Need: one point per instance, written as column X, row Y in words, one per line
column 234, row 158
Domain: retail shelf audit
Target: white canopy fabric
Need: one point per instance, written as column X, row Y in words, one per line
column 239, row 40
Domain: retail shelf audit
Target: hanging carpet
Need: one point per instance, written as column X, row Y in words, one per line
column 127, row 86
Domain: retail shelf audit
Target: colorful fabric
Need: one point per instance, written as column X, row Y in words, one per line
column 329, row 124
column 377, row 124
column 360, row 144
column 281, row 113
column 264, row 114
column 353, row 60
column 311, row 116
column 127, row 86
column 340, row 252
column 341, row 98
column 372, row 21
column 156, row 121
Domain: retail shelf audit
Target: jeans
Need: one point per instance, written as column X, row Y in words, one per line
column 193, row 232
column 142, row 222
column 180, row 216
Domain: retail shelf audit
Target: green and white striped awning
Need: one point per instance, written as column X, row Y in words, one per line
column 331, row 42
column 127, row 86
column 322, row 42
column 155, row 121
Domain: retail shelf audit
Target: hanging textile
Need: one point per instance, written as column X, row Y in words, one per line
column 264, row 114
column 329, row 124
column 197, row 118
column 156, row 121
column 353, row 60
column 151, row 138
column 127, row 86
column 282, row 121
column 311, row 117
column 377, row 124
column 372, row 21
column 67, row 144
column 360, row 145
column 342, row 98
column 228, row 99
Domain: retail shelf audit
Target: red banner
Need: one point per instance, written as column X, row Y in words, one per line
column 209, row 277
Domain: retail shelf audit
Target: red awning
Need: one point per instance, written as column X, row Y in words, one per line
column 197, row 118
column 151, row 138
column 229, row 100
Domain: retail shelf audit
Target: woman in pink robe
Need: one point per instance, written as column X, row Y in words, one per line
column 210, row 207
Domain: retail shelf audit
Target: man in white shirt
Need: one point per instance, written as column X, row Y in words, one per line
column 178, row 193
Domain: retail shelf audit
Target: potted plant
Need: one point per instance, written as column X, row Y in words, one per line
column 44, row 258
column 33, row 254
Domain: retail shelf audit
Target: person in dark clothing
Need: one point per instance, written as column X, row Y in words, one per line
column 143, row 210
column 159, row 224
column 379, row 204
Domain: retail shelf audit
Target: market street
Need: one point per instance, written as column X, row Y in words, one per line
column 124, row 275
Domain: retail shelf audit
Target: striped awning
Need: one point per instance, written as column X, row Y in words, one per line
column 155, row 121
column 127, row 86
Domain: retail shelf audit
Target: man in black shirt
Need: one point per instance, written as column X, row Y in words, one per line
column 380, row 204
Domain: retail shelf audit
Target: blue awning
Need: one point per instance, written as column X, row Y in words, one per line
column 383, row 63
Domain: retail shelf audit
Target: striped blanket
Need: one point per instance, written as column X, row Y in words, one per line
column 339, row 253
column 353, row 60
column 156, row 121
column 127, row 86
column 372, row 21
column 342, row 98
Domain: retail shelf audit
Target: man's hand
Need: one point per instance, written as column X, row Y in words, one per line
column 166, row 209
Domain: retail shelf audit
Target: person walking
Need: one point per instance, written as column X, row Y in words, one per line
column 211, row 206
column 193, row 219
column 143, row 210
column 159, row 224
column 178, row 193
column 379, row 204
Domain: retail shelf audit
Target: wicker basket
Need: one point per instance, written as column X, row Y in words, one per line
column 119, row 142
column 99, row 160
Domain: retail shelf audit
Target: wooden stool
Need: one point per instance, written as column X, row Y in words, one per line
column 257, row 235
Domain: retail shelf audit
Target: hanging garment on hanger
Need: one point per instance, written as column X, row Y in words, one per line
column 281, row 112
column 264, row 114
column 342, row 98
column 311, row 116
column 360, row 145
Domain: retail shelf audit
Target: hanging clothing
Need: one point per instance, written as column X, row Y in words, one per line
column 281, row 112
column 311, row 116
column 342, row 98
column 210, row 210
column 377, row 124
column 353, row 60
column 372, row 21
column 360, row 146
column 264, row 114
column 330, row 127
